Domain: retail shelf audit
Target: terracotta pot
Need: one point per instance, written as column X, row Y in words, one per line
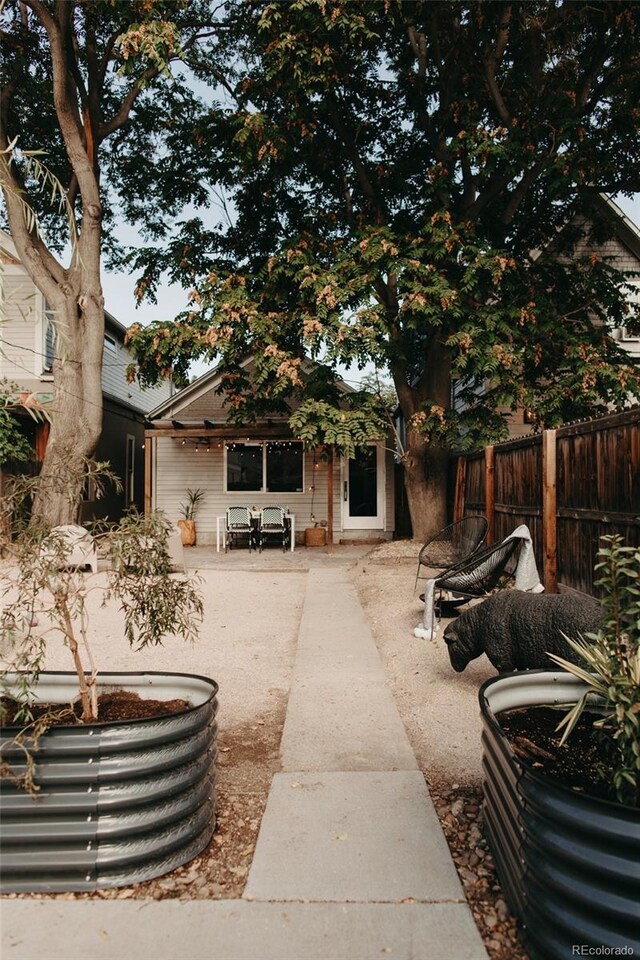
column 187, row 532
column 315, row 537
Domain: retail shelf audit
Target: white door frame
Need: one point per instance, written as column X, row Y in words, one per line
column 364, row 523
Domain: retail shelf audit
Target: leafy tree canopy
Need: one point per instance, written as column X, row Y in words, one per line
column 403, row 183
column 394, row 170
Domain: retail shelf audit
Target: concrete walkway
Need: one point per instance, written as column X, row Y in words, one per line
column 350, row 863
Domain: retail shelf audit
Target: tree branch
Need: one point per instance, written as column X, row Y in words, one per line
column 492, row 60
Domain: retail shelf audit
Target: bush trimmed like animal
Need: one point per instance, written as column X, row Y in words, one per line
column 517, row 630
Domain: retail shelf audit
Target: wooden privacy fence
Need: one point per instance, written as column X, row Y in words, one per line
column 570, row 486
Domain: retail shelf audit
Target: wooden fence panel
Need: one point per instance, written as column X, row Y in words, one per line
column 598, row 492
column 592, row 489
column 518, row 490
column 474, row 490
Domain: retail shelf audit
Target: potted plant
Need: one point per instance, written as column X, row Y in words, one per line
column 108, row 778
column 568, row 856
column 188, row 509
column 316, row 536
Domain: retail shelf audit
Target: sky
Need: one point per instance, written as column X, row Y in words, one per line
column 120, row 300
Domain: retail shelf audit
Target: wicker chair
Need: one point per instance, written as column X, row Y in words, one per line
column 272, row 523
column 474, row 577
column 479, row 574
column 238, row 527
column 454, row 544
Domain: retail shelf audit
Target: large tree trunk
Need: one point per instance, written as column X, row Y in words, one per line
column 76, row 422
column 425, row 464
column 425, row 480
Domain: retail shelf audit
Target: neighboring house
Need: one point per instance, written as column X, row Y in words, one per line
column 622, row 250
column 28, row 345
column 191, row 444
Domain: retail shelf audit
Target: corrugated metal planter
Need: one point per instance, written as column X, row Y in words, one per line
column 569, row 864
column 119, row 802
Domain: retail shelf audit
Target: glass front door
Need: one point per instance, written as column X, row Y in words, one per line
column 363, row 490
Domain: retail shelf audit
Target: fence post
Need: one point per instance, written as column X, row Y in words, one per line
column 459, row 495
column 549, row 511
column 489, row 497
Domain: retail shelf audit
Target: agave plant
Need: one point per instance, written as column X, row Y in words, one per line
column 611, row 668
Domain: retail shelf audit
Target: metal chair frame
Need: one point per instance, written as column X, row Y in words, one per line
column 272, row 523
column 238, row 524
column 476, row 576
column 454, row 544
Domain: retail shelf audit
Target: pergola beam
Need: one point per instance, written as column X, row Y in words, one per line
column 231, row 433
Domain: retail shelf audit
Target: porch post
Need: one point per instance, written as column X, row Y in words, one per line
column 330, row 501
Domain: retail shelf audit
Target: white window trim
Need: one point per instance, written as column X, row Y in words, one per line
column 262, row 492
column 628, row 337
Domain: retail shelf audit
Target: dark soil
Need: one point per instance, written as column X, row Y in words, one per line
column 531, row 731
column 115, row 705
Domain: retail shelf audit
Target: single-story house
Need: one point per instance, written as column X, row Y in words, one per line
column 190, row 443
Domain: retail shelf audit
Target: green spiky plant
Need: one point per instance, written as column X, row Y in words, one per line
column 611, row 668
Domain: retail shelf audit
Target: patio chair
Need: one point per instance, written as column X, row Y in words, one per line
column 479, row 574
column 472, row 578
column 454, row 544
column 272, row 523
column 238, row 527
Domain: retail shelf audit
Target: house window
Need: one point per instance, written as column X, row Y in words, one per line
column 48, row 339
column 284, row 467
column 110, row 343
column 244, row 467
column 627, row 335
column 275, row 467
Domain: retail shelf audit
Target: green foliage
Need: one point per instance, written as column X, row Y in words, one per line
column 612, row 667
column 13, row 444
column 44, row 598
column 190, row 507
column 317, row 423
column 412, row 185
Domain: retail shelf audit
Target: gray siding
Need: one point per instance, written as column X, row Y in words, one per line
column 177, row 467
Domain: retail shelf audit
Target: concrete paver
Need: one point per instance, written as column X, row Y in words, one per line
column 237, row 930
column 341, row 714
column 351, row 837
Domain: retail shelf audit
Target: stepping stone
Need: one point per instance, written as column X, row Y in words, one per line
column 237, row 930
column 351, row 837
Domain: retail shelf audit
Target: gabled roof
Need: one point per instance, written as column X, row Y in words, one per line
column 209, row 381
column 627, row 231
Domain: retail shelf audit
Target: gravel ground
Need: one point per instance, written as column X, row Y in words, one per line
column 248, row 646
